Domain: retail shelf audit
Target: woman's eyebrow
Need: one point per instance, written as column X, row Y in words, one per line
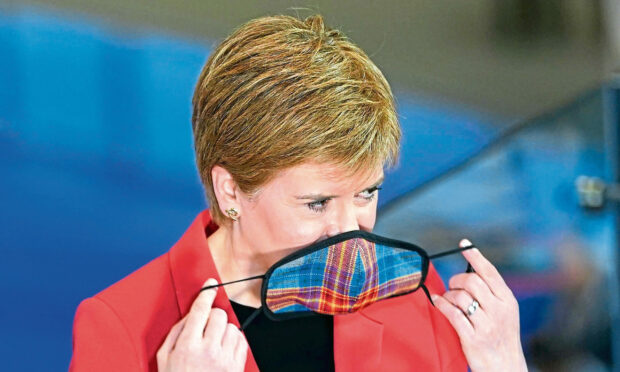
column 380, row 181
column 316, row 196
column 325, row 197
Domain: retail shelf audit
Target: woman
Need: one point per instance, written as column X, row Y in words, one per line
column 293, row 126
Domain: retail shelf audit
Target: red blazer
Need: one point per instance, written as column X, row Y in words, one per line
column 122, row 327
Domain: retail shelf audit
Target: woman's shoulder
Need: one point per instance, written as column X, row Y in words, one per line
column 126, row 322
column 149, row 288
column 153, row 288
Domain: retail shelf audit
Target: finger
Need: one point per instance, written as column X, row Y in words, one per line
column 473, row 283
column 198, row 314
column 463, row 301
column 455, row 316
column 485, row 269
column 170, row 341
column 241, row 351
column 216, row 326
column 459, row 298
column 230, row 338
column 172, row 336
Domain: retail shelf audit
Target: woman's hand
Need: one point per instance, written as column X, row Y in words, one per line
column 489, row 332
column 203, row 340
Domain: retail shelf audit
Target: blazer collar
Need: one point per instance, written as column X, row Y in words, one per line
column 358, row 342
column 191, row 264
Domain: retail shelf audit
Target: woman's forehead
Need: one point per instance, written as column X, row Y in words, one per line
column 313, row 175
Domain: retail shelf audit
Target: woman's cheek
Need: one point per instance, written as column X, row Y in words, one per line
column 367, row 217
column 305, row 233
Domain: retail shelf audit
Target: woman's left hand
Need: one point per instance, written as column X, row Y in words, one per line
column 489, row 332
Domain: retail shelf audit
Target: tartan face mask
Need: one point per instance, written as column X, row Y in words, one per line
column 341, row 275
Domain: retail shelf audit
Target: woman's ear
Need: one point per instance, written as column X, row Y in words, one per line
column 225, row 188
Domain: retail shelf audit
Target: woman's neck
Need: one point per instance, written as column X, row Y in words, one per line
column 234, row 260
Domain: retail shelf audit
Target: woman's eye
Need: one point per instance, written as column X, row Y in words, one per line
column 318, row 206
column 370, row 193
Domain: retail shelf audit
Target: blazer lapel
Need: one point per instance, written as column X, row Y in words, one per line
column 358, row 341
column 191, row 264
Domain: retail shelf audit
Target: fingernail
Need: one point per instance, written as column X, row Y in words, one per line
column 434, row 297
column 465, row 243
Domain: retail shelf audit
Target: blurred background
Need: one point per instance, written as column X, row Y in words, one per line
column 511, row 117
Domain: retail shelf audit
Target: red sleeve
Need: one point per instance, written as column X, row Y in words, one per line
column 101, row 341
column 450, row 352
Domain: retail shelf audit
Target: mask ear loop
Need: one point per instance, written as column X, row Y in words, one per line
column 249, row 319
column 234, row 281
column 452, row 251
column 441, row 254
column 255, row 313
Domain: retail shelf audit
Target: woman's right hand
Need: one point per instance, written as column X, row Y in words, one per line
column 203, row 340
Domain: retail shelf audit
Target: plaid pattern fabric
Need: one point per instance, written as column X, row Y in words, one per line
column 343, row 278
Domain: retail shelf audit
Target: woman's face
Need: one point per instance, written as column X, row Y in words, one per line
column 305, row 204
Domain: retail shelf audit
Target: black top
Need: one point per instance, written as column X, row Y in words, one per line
column 301, row 344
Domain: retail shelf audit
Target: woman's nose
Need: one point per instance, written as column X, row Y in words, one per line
column 344, row 220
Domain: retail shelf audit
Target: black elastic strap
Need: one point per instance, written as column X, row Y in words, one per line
column 234, row 281
column 252, row 316
column 428, row 294
column 456, row 250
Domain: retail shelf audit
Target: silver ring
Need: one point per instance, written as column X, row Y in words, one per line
column 471, row 309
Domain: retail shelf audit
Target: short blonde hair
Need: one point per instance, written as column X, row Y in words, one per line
column 279, row 92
